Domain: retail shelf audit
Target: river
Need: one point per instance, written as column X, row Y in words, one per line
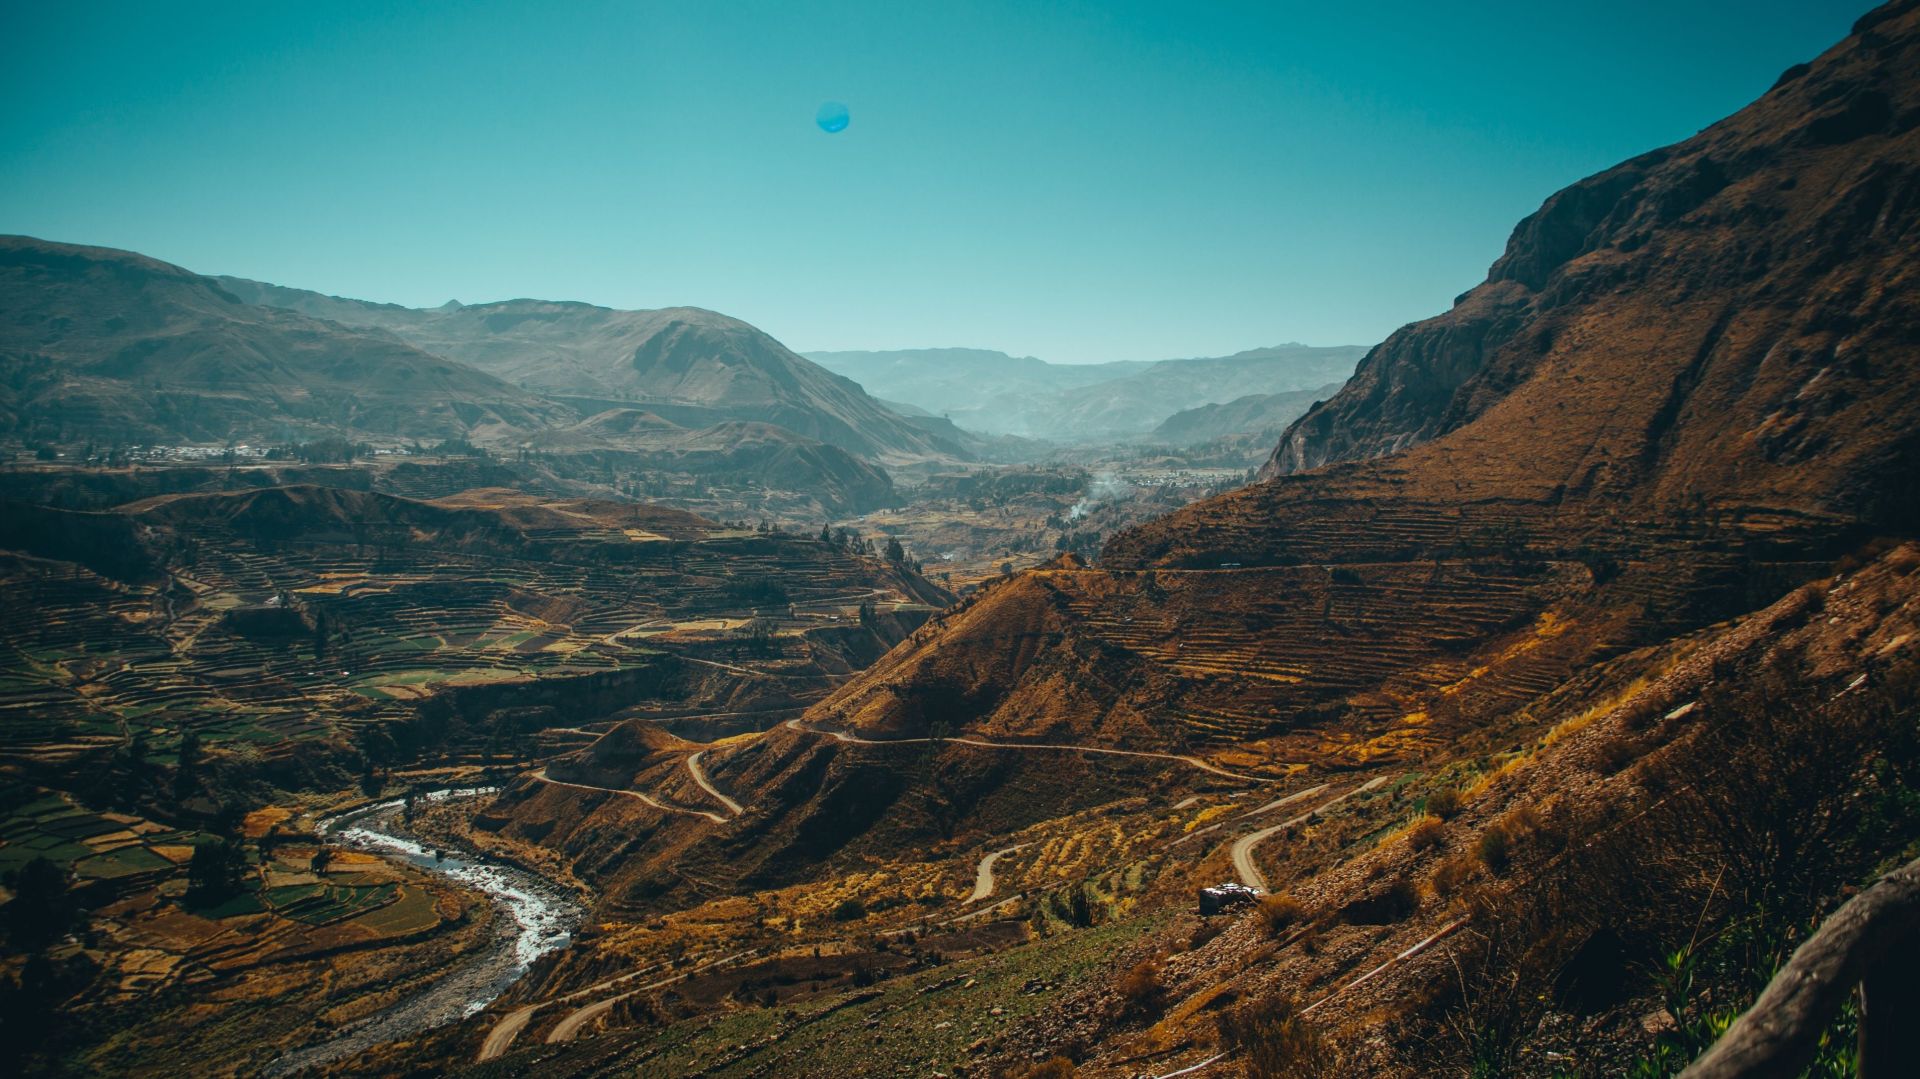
column 536, row 917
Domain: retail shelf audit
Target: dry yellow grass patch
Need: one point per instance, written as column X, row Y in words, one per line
column 261, row 821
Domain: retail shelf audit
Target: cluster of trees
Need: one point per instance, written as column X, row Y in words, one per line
column 756, row 592
column 847, row 539
column 1084, row 544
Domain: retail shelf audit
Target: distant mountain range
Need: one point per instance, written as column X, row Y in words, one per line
column 1256, row 412
column 106, row 345
column 112, row 347
column 994, row 393
column 690, row 366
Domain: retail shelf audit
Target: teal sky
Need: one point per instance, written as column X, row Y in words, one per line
column 1080, row 182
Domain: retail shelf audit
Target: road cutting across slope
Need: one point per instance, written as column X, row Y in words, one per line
column 700, row 776
column 981, row 743
column 501, row 1037
column 569, row 1028
column 1243, row 847
column 541, row 775
column 983, row 877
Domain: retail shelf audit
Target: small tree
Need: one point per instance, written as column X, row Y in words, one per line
column 186, row 774
column 215, row 872
column 40, row 912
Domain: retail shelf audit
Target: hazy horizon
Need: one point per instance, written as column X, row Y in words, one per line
column 1082, row 185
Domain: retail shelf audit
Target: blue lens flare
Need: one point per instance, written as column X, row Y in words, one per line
column 832, row 118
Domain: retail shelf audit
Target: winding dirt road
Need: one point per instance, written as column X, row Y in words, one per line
column 541, row 775
column 980, row 743
column 501, row 1037
column 700, row 776
column 983, row 877
column 1243, row 866
column 569, row 1028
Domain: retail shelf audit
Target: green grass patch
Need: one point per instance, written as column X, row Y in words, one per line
column 125, row 862
column 412, row 913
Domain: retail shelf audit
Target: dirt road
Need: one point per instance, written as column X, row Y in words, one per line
column 541, row 775
column 700, row 776
column 501, row 1037
column 983, row 877
column 980, row 743
column 569, row 1028
column 1243, row 866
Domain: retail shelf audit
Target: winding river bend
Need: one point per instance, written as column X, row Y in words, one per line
column 536, row 917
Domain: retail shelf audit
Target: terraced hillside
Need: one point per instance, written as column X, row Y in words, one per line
column 288, row 617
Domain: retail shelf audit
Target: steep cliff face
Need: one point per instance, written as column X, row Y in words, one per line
column 1730, row 317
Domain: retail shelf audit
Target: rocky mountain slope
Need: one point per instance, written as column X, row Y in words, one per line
column 1242, row 415
column 729, row 451
column 113, row 347
column 691, row 366
column 1705, row 318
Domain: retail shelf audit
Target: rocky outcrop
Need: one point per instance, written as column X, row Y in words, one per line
column 1788, row 226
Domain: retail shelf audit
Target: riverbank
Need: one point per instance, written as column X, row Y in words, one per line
column 534, row 917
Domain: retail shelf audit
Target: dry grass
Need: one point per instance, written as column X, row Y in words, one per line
column 1056, row 1068
column 1445, row 803
column 1280, row 912
column 1276, row 1043
column 1451, row 874
column 1141, row 988
column 1495, row 849
column 1426, row 834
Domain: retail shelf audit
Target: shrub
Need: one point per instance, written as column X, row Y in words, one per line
column 1642, row 713
column 1495, row 848
column 1394, row 903
column 849, row 910
column 1904, row 560
column 1427, row 834
column 1141, row 987
column 1056, row 1068
column 1278, row 912
column 1276, row 1042
column 1543, row 829
column 1453, row 873
column 1444, row 803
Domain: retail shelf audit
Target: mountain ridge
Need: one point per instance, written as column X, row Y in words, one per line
column 1608, row 231
column 704, row 365
column 177, row 356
